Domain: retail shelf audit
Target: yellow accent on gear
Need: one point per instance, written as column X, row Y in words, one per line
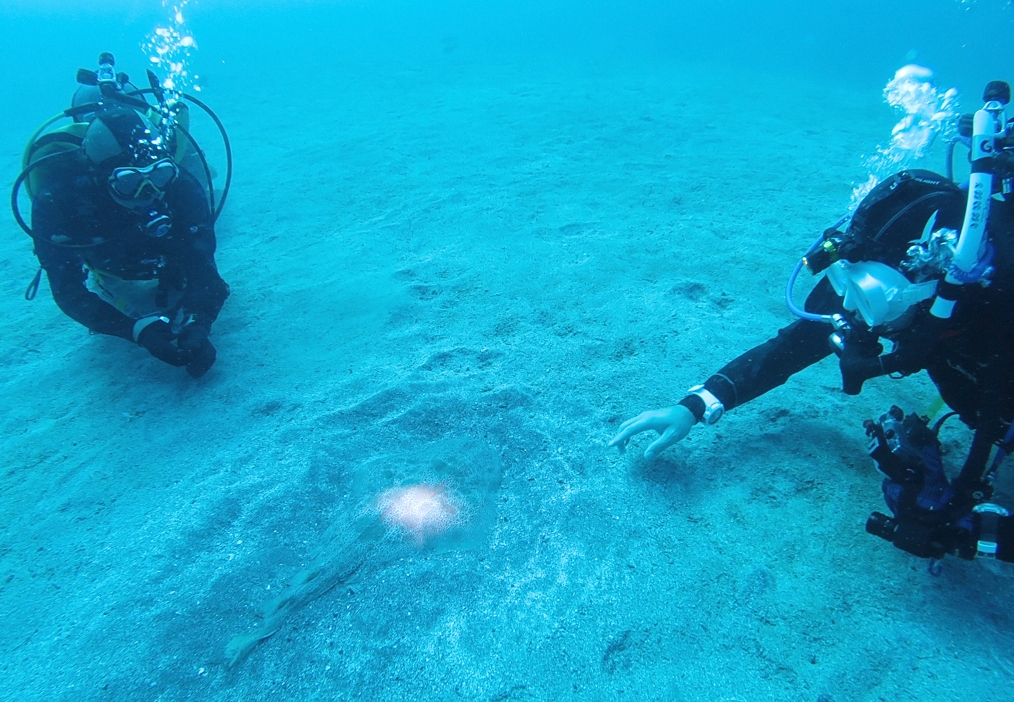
column 935, row 406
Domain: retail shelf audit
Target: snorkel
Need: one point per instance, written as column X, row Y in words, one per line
column 988, row 131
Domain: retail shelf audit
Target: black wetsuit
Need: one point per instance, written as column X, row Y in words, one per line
column 76, row 207
column 970, row 358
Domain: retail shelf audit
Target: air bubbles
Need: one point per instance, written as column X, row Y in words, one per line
column 169, row 47
column 928, row 113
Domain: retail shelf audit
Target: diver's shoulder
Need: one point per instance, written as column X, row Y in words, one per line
column 187, row 191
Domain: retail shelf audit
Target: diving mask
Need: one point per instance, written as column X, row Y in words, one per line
column 138, row 184
column 879, row 293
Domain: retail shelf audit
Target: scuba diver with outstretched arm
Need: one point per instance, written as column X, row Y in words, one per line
column 123, row 229
column 763, row 368
column 944, row 300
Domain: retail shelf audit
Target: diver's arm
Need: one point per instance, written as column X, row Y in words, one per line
column 54, row 219
column 205, row 291
column 67, row 276
column 765, row 367
column 66, row 280
column 797, row 346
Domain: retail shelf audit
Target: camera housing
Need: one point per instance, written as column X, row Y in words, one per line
column 916, row 489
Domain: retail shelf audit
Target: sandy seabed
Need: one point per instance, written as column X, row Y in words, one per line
column 469, row 271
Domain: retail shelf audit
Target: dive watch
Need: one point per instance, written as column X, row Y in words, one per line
column 713, row 408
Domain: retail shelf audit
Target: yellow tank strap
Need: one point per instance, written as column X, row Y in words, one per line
column 28, row 147
column 66, row 138
column 935, row 407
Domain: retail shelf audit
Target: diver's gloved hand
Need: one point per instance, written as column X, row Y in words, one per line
column 155, row 334
column 857, row 367
column 194, row 340
column 673, row 423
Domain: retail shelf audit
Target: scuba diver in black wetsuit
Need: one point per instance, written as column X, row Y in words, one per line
column 945, row 302
column 121, row 222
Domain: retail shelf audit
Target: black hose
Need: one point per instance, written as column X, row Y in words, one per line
column 33, row 288
column 17, row 187
column 225, row 141
column 940, row 422
column 228, row 150
column 204, row 163
column 14, row 201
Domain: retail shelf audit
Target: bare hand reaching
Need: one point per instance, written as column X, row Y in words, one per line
column 672, row 423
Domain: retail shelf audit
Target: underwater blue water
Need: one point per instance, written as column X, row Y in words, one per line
column 466, row 240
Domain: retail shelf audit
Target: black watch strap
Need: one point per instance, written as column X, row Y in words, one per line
column 695, row 404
